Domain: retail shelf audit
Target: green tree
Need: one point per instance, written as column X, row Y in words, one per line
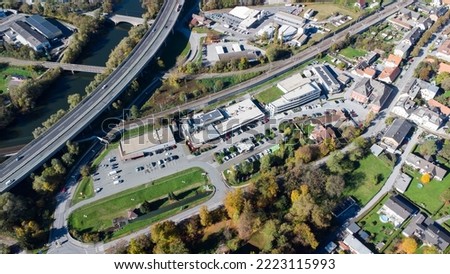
column 338, row 163
column 85, row 171
column 218, row 85
column 428, row 148
column 135, row 113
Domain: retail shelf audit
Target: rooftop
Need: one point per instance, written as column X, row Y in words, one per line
column 202, row 119
column 356, row 246
column 239, row 114
column 301, row 91
column 43, row 26
column 445, row 47
column 426, row 166
column 33, row 37
column 146, row 141
column 242, row 12
column 428, row 231
column 292, row 83
column 394, row 60
column 402, row 182
column 401, row 206
column 398, row 130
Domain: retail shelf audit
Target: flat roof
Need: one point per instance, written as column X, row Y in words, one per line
column 43, row 26
column 301, row 91
column 289, row 18
column 203, row 136
column 356, row 246
column 239, row 114
column 242, row 12
column 292, row 83
column 402, row 182
column 33, row 37
column 146, row 141
column 207, row 118
column 286, row 30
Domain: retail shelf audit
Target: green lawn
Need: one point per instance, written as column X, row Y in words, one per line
column 269, row 95
column 352, row 53
column 136, row 131
column 379, row 231
column 6, row 73
column 85, row 190
column 427, row 197
column 361, row 184
column 325, row 10
column 98, row 215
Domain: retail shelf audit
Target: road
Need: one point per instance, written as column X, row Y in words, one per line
column 282, row 67
column 41, row 149
column 46, row 64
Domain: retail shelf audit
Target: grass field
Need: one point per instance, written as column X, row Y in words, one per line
column 360, row 183
column 7, row 72
column 103, row 154
column 269, row 95
column 352, row 53
column 98, row 215
column 325, row 10
column 428, row 196
column 85, row 190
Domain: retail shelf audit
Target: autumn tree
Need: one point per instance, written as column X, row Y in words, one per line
column 246, row 223
column 305, row 235
column 29, row 234
column 428, row 148
column 140, row 245
column 266, row 189
column 234, row 203
column 425, row 179
column 205, row 216
column 338, row 163
column 408, row 246
column 334, row 185
column 304, row 154
column 445, row 196
column 166, row 237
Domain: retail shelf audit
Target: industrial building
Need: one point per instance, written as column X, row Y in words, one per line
column 146, row 143
column 284, row 18
column 247, row 17
column 326, row 79
column 44, row 27
column 297, row 91
column 21, row 32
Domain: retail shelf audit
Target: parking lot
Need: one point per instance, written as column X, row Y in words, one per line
column 136, row 172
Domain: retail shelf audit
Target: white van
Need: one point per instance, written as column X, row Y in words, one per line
column 116, row 182
column 112, row 172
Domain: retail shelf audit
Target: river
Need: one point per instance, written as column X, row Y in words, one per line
column 20, row 131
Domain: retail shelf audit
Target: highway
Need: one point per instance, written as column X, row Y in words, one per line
column 41, row 149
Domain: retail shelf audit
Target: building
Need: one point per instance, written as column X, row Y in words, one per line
column 443, row 52
column 413, row 36
column 267, row 30
column 356, row 246
column 247, row 17
column 397, row 133
column 284, row 18
column 297, row 91
column 201, row 120
column 404, row 106
column 442, row 108
column 21, row 32
column 321, row 133
column 436, row 13
column 238, row 115
column 146, row 143
column 408, row 14
column 367, row 72
column 393, row 61
column 402, row 50
column 44, row 27
column 361, row 4
column 326, row 79
column 402, row 182
column 397, row 209
column 388, row 75
column 371, row 57
column 428, row 231
column 372, row 92
column 425, row 166
column 237, row 47
column 286, row 32
column 427, row 90
column 309, row 13
column 426, row 118
column 425, row 23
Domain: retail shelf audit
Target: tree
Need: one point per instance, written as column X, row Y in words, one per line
column 389, row 120
column 140, row 245
column 445, row 196
column 73, row 148
column 13, row 209
column 350, row 133
column 369, row 118
column 205, row 216
column 425, row 179
column 246, row 222
column 302, row 207
column 85, row 171
column 267, row 161
column 29, row 234
column 234, row 203
column 334, row 185
column 243, row 63
column 134, row 112
column 73, row 100
column 166, row 237
column 304, row 154
column 338, row 163
column 428, row 148
column 218, row 85
column 408, row 246
column 306, row 236
column 430, row 250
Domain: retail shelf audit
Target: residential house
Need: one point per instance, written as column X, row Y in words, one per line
column 367, row 72
column 408, row 14
column 397, row 209
column 372, row 92
column 425, row 166
column 388, row 75
column 438, row 12
column 426, row 118
column 443, row 68
column 393, row 61
column 320, row 133
column 413, row 36
column 424, row 23
column 397, row 133
column 402, row 49
column 443, row 52
column 404, row 106
column 428, row 231
column 442, row 108
column 427, row 90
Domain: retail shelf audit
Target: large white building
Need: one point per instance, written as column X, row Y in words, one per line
column 286, row 33
column 239, row 115
column 297, row 91
column 327, row 79
column 248, row 16
column 284, row 18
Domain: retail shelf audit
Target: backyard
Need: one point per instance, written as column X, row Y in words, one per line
column 98, row 215
column 427, row 195
column 352, row 53
column 366, row 180
column 378, row 231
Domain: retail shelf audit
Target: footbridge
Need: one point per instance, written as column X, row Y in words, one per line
column 119, row 18
column 45, row 64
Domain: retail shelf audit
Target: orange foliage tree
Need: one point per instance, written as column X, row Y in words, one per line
column 425, row 178
column 408, row 246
